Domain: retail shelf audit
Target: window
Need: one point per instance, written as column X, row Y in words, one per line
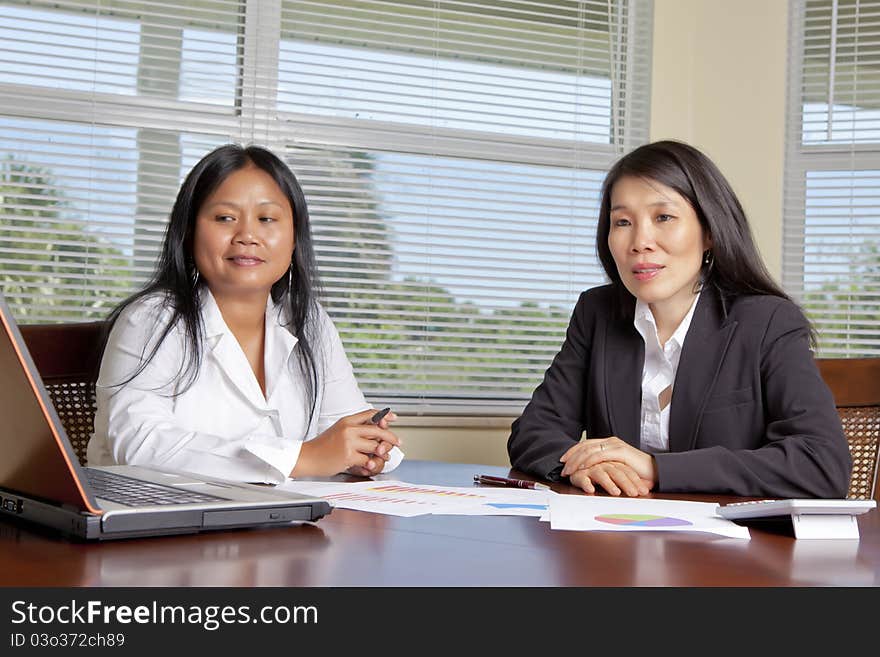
column 831, row 260
column 102, row 108
column 451, row 153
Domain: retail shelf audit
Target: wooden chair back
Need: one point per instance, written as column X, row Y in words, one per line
column 855, row 384
column 67, row 357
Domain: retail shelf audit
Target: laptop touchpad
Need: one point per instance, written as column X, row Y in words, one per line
column 204, row 487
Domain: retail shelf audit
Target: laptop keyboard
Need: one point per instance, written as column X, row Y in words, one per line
column 136, row 492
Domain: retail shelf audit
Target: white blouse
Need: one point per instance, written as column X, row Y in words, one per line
column 222, row 425
column 661, row 365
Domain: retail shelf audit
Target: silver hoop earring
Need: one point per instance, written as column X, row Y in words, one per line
column 290, row 277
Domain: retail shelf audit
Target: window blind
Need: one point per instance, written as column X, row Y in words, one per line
column 451, row 153
column 831, row 258
column 103, row 106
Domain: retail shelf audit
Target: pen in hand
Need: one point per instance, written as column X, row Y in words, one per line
column 489, row 480
column 377, row 417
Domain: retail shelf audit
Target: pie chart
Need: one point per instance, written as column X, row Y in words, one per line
column 642, row 520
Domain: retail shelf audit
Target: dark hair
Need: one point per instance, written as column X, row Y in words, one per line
column 175, row 276
column 735, row 265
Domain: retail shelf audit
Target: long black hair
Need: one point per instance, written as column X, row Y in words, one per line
column 735, row 267
column 176, row 277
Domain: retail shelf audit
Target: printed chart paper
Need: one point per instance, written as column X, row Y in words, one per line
column 587, row 513
column 399, row 498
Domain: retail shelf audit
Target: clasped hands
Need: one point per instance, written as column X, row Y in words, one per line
column 611, row 463
column 353, row 445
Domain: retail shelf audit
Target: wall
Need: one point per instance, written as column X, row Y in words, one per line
column 458, row 440
column 718, row 82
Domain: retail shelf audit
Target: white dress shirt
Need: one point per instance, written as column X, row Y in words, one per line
column 661, row 365
column 222, row 425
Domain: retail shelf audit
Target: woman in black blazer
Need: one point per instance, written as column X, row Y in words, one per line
column 692, row 371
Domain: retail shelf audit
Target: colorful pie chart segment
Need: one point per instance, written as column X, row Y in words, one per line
column 642, row 520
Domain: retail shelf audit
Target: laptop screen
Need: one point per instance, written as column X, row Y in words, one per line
column 36, row 459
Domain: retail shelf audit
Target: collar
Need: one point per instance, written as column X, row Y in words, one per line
column 277, row 318
column 213, row 323
column 220, row 340
column 646, row 325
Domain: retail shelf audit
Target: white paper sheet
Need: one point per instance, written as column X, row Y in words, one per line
column 399, row 498
column 587, row 513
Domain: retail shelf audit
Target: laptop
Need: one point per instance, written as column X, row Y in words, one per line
column 42, row 481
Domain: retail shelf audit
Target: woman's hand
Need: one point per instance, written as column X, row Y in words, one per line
column 352, row 444
column 613, row 476
column 382, row 450
column 592, row 452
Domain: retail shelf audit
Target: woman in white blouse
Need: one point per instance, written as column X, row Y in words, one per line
column 225, row 364
column 692, row 371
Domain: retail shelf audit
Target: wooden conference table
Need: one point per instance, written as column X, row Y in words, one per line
column 351, row 548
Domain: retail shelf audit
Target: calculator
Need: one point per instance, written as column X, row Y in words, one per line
column 793, row 507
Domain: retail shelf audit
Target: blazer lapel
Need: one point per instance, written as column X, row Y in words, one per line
column 624, row 362
column 701, row 357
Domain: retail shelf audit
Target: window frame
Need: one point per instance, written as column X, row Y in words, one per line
column 802, row 158
column 255, row 118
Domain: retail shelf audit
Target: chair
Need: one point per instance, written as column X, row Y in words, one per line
column 855, row 384
column 67, row 357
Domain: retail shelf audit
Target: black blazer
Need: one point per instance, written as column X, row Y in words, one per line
column 750, row 412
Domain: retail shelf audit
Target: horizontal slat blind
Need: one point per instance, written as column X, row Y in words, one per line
column 455, row 287
column 535, row 69
column 831, row 259
column 451, row 152
column 88, row 170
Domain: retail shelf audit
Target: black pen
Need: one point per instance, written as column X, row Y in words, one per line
column 379, row 415
column 489, row 480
